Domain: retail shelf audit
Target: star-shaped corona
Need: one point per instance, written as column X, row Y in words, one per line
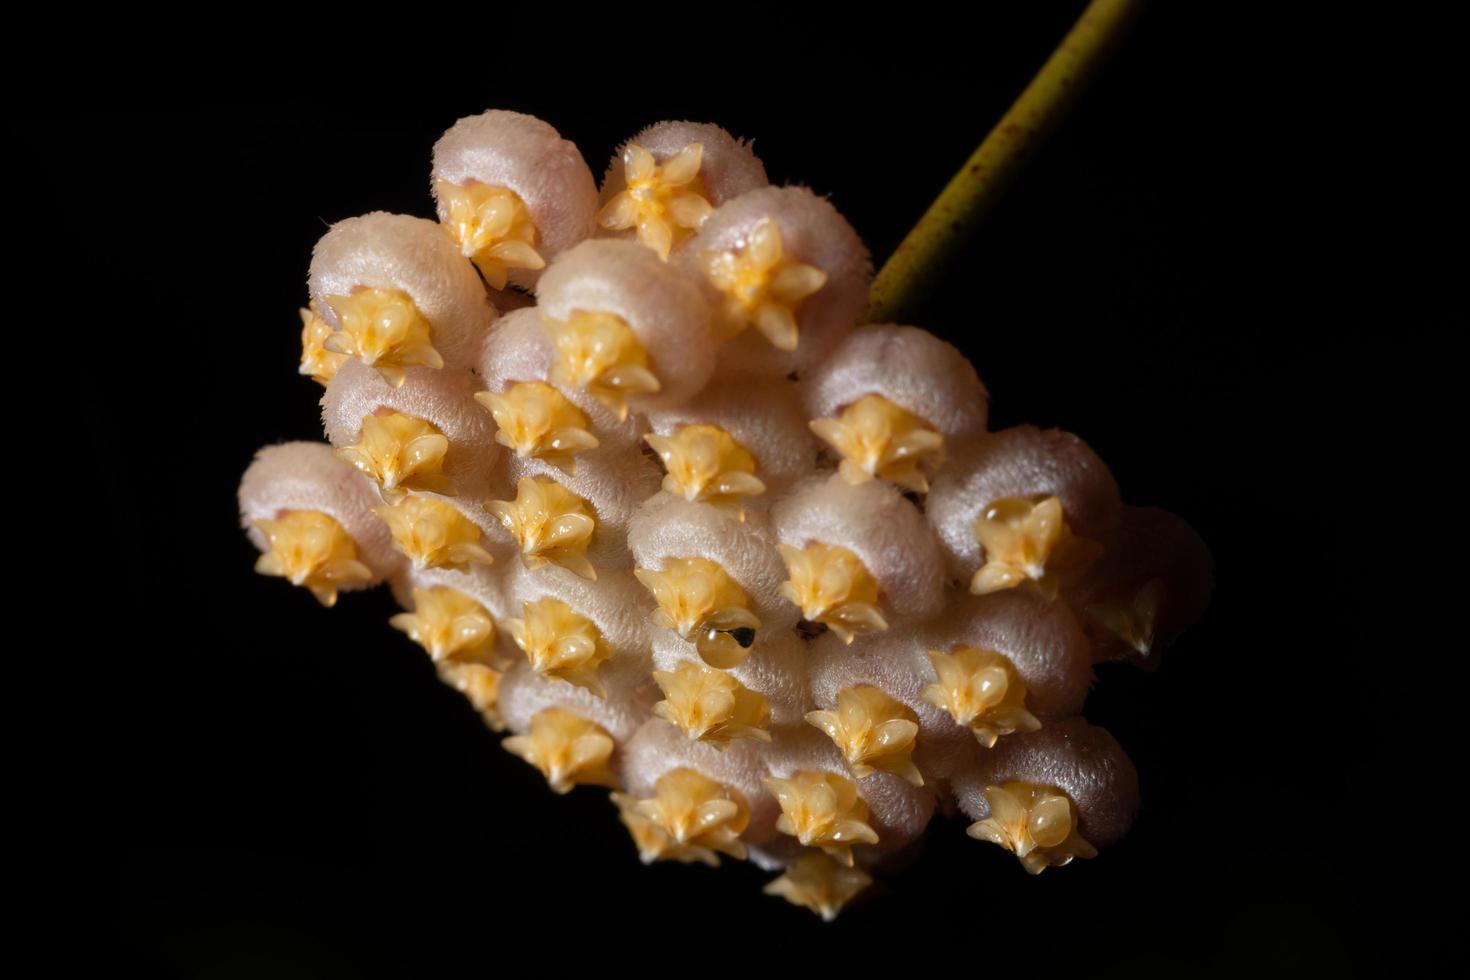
column 1036, row 823
column 383, row 329
column 560, row 643
column 705, row 463
column 822, row 809
column 568, row 749
column 433, row 534
column 689, row 818
column 399, row 453
column 311, row 549
column 761, row 286
column 832, row 586
column 448, row 624
column 877, row 439
column 709, row 705
column 663, row 201
column 551, row 524
column 819, row 883
column 600, row 354
column 872, row 731
column 317, row 363
column 981, row 691
column 1026, row 541
column 698, row 600
column 492, row 227
column 536, row 420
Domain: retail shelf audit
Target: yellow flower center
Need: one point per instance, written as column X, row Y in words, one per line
column 1026, row 540
column 492, row 227
column 448, row 624
column 568, row 749
column 689, row 818
column 761, row 286
column 399, row 453
column 705, row 463
column 832, row 586
column 600, row 354
column 534, row 419
column 383, row 329
column 710, row 705
column 310, row 548
column 877, row 438
column 560, row 643
column 317, row 362
column 1036, row 823
column 698, row 600
column 872, row 731
column 982, row 691
column 822, row 809
column 551, row 524
column 665, row 202
column 433, row 534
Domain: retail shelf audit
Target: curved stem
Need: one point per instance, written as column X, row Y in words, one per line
column 968, row 197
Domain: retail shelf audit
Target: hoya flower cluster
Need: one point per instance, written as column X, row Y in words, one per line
column 661, row 509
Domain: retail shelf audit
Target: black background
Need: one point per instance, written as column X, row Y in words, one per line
column 275, row 789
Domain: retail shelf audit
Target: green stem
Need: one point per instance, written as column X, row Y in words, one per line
column 969, row 196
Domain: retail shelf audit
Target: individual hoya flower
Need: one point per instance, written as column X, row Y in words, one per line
column 534, row 419
column 820, row 883
column 689, row 818
column 568, row 749
column 786, row 275
column 397, row 294
column 448, row 624
column 627, row 327
column 311, row 517
column 433, row 533
column 310, row 548
column 512, row 194
column 550, row 523
column 823, row 809
column 872, row 731
column 666, row 180
column 705, row 463
column 710, row 705
column 559, row 642
column 317, row 362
